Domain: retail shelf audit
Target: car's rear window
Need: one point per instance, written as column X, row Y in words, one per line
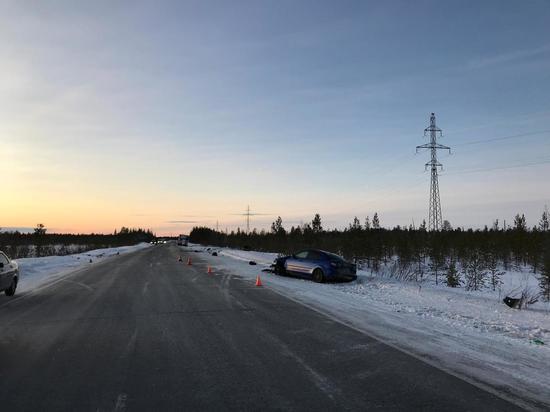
column 333, row 256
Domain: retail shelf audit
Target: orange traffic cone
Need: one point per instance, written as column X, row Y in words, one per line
column 189, row 261
column 258, row 281
column 209, row 270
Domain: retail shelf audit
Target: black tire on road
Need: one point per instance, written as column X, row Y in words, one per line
column 11, row 290
column 318, row 276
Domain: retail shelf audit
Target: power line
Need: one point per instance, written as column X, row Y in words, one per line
column 467, row 171
column 496, row 139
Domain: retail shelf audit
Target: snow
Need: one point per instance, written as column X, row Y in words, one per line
column 37, row 272
column 470, row 334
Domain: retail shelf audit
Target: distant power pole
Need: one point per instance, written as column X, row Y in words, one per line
column 248, row 213
column 247, row 219
column 435, row 221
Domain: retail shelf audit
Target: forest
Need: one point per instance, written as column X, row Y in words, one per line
column 474, row 259
column 40, row 243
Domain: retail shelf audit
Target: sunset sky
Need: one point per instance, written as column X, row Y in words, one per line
column 167, row 115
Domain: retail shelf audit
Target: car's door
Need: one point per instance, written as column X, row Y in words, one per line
column 315, row 259
column 5, row 279
column 297, row 264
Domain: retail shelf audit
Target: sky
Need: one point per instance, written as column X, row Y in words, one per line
column 173, row 114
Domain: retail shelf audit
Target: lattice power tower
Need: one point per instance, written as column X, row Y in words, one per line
column 435, row 221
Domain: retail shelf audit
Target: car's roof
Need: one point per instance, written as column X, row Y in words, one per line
column 320, row 251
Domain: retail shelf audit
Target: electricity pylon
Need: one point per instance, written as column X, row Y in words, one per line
column 248, row 213
column 435, row 220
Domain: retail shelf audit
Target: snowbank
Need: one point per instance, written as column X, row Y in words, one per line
column 473, row 335
column 35, row 272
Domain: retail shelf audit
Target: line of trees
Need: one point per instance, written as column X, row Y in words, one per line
column 474, row 259
column 40, row 243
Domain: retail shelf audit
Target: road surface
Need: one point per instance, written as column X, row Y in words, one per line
column 145, row 332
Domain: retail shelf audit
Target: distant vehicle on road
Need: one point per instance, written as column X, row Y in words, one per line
column 9, row 275
column 183, row 240
column 317, row 265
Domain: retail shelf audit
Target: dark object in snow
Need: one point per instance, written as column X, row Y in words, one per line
column 252, row 263
column 512, row 302
column 197, row 251
column 207, row 248
column 214, row 253
column 522, row 298
column 537, row 341
column 118, row 253
column 90, row 260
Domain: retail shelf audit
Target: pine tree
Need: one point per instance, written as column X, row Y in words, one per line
column 544, row 278
column 520, row 222
column 475, row 272
column 375, row 221
column 277, row 227
column 367, row 223
column 39, row 232
column 437, row 260
column 316, row 224
column 418, row 256
column 494, row 273
column 355, row 225
column 544, row 224
column 423, row 225
column 40, row 229
column 453, row 277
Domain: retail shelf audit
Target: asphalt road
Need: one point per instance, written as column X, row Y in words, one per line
column 146, row 332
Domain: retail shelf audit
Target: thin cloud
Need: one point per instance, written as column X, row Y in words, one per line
column 507, row 57
column 181, row 221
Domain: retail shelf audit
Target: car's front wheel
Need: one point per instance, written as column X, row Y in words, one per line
column 280, row 269
column 318, row 276
column 11, row 290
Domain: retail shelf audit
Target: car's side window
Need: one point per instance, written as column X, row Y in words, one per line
column 312, row 255
column 301, row 255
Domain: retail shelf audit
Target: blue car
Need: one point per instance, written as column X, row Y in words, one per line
column 317, row 265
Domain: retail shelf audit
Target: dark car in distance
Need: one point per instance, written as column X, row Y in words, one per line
column 316, row 265
column 9, row 275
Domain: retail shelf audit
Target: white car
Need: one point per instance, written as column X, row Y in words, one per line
column 9, row 274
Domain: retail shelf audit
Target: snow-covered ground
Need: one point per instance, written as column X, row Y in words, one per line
column 473, row 335
column 36, row 272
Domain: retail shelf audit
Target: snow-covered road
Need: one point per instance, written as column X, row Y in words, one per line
column 473, row 335
column 37, row 272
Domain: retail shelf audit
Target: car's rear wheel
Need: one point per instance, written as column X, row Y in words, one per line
column 318, row 276
column 11, row 290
